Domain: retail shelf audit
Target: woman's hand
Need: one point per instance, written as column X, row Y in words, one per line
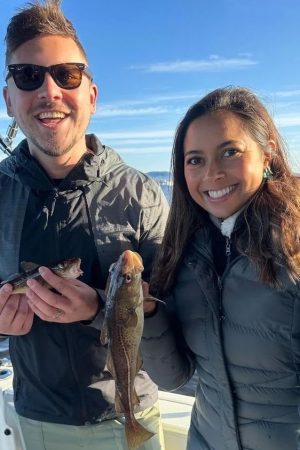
column 149, row 301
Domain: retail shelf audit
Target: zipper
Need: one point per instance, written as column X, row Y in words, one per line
column 228, row 249
column 220, row 278
column 220, row 286
column 222, row 316
column 221, row 319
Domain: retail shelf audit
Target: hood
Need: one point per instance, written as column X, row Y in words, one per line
column 92, row 167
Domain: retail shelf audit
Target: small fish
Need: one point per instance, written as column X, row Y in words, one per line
column 122, row 331
column 70, row 268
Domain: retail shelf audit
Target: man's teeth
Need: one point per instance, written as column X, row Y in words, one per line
column 221, row 192
column 52, row 115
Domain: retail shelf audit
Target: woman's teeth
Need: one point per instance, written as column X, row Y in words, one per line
column 220, row 193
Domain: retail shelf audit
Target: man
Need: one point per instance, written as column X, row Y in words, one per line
column 64, row 195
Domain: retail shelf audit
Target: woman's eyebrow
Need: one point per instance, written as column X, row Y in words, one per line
column 219, row 147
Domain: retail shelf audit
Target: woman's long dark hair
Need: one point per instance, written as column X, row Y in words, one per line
column 271, row 238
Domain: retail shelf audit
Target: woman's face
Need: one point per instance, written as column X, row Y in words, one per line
column 223, row 165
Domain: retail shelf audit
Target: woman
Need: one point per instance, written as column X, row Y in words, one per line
column 229, row 271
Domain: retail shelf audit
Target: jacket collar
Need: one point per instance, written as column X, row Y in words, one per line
column 227, row 225
column 91, row 167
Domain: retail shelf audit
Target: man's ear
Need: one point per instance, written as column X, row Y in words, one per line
column 93, row 97
column 8, row 102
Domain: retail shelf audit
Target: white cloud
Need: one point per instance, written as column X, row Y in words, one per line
column 288, row 120
column 144, row 150
column 291, row 93
column 3, row 115
column 139, row 142
column 136, row 142
column 128, row 108
column 115, row 111
column 137, row 134
column 214, row 63
column 150, row 99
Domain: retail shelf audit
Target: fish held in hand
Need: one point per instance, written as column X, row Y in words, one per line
column 69, row 268
column 122, row 331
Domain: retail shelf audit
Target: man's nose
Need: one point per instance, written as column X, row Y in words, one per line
column 49, row 89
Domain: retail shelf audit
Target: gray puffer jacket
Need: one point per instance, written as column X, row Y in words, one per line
column 243, row 338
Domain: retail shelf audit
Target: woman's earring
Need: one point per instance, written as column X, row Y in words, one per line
column 267, row 174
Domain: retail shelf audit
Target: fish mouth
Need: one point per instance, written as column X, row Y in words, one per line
column 75, row 270
column 69, row 268
column 131, row 262
column 218, row 194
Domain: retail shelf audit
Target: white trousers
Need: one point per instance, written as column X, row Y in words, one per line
column 107, row 435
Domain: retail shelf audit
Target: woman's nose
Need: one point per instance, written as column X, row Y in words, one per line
column 213, row 170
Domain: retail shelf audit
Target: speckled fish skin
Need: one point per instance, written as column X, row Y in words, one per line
column 69, row 268
column 122, row 331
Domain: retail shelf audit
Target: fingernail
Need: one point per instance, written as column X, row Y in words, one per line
column 42, row 270
column 29, row 294
column 30, row 283
column 6, row 289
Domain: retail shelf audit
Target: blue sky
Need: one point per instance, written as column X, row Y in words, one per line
column 152, row 60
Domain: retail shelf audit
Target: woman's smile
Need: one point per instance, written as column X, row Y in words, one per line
column 221, row 194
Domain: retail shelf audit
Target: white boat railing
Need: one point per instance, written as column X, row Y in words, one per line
column 10, row 433
column 176, row 415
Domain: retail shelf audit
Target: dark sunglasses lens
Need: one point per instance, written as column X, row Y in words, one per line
column 67, row 76
column 28, row 77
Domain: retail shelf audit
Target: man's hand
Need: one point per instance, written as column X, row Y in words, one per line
column 16, row 316
column 74, row 301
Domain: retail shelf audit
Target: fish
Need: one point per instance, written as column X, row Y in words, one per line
column 122, row 331
column 69, row 268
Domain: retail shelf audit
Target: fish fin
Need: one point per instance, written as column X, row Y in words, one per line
column 118, row 404
column 135, row 398
column 150, row 299
column 139, row 361
column 136, row 434
column 104, row 333
column 28, row 266
column 108, row 283
column 11, row 278
column 106, row 376
column 132, row 319
column 110, row 365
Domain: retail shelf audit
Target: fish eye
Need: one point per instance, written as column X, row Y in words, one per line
column 127, row 277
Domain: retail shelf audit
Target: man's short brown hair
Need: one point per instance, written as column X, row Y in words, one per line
column 36, row 19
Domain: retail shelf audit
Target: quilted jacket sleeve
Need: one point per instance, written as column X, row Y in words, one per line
column 165, row 355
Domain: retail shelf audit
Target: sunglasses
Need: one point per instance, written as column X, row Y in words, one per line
column 29, row 77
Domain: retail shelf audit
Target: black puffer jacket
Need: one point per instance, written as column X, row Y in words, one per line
column 243, row 338
column 100, row 209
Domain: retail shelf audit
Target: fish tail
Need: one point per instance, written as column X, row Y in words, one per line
column 136, row 434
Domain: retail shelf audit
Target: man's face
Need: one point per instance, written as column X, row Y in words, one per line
column 53, row 119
